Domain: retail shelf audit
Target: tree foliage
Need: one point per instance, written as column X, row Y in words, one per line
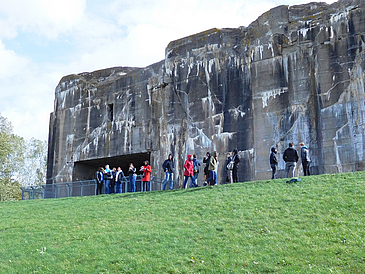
column 21, row 163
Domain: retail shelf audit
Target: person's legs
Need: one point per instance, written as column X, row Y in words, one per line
column 186, row 180
column 273, row 167
column 230, row 174
column 287, row 169
column 211, row 175
column 234, row 174
column 107, row 184
column 308, row 165
column 171, row 180
column 165, row 181
column 293, row 169
column 215, row 177
column 196, row 175
column 192, row 181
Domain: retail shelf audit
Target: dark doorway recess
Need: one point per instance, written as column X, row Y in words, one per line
column 85, row 170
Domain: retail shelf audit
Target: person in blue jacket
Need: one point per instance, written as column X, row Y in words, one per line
column 196, row 169
column 108, row 177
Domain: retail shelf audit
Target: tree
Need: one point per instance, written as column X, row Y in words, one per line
column 21, row 163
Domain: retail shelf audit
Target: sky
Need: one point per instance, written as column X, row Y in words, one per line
column 43, row 40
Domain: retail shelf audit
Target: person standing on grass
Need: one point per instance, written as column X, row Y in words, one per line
column 291, row 158
column 114, row 179
column 206, row 161
column 99, row 181
column 212, row 168
column 236, row 160
column 229, row 178
column 146, row 169
column 273, row 161
column 132, row 177
column 108, row 176
column 306, row 160
column 119, row 178
column 196, row 169
column 169, row 167
column 189, row 171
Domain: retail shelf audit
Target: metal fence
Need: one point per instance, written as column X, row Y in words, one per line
column 82, row 188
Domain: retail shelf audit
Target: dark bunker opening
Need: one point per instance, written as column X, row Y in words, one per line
column 85, row 170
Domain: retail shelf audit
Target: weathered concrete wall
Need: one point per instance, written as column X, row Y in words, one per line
column 295, row 74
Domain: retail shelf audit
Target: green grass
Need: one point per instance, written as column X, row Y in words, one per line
column 313, row 226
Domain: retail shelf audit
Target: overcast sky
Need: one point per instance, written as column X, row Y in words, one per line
column 43, row 40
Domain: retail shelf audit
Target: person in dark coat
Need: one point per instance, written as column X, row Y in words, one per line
column 99, row 180
column 236, row 160
column 206, row 161
column 119, row 180
column 273, row 161
column 291, row 158
column 306, row 160
column 169, row 167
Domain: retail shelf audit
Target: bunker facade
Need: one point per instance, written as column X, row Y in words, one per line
column 296, row 74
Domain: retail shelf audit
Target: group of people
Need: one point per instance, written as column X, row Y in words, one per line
column 192, row 168
column 114, row 179
column 291, row 158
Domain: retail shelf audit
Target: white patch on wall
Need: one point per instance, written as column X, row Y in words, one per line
column 266, row 95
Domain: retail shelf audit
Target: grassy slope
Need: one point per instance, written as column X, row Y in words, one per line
column 315, row 226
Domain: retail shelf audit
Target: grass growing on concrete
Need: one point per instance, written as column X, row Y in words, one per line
column 313, row 226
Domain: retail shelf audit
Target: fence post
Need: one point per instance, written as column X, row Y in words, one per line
column 43, row 191
column 55, row 186
column 82, row 188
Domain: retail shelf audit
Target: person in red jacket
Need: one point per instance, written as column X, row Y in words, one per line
column 189, row 171
column 146, row 169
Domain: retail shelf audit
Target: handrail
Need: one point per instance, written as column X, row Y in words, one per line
column 56, row 190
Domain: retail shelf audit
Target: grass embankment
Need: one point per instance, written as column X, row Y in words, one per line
column 314, row 226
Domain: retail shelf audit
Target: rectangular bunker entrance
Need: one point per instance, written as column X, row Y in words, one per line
column 85, row 170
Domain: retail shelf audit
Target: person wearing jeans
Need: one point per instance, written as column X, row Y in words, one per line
column 212, row 168
column 291, row 158
column 189, row 171
column 146, row 169
column 132, row 177
column 169, row 167
column 108, row 176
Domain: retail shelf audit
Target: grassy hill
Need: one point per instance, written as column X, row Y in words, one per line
column 313, row 226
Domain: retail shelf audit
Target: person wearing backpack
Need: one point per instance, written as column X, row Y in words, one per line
column 196, row 169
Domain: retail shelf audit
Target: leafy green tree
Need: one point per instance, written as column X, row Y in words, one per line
column 21, row 163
